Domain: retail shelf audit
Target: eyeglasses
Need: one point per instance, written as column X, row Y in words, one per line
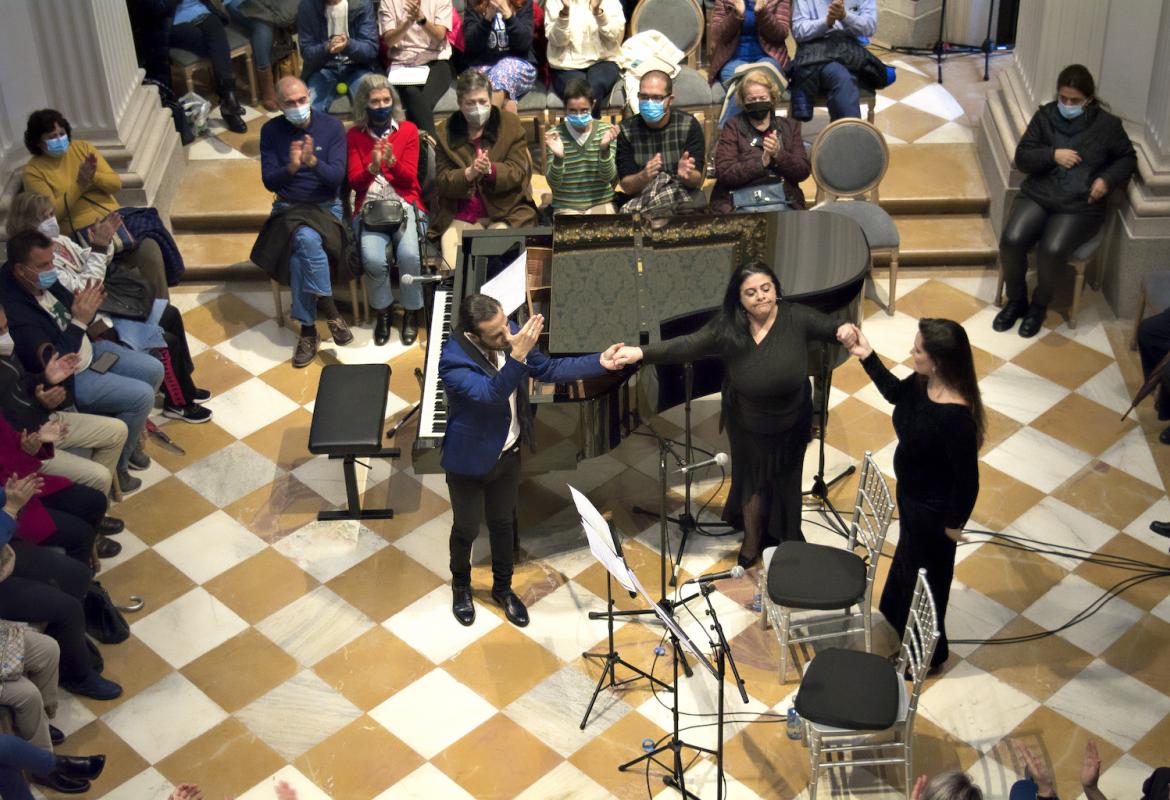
column 653, row 98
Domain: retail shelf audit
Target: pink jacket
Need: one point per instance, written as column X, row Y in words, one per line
column 34, row 524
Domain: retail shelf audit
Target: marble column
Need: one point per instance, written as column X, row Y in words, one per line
column 907, row 23
column 1125, row 45
column 78, row 56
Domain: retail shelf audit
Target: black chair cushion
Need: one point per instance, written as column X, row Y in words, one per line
column 849, row 689
column 813, row 576
column 350, row 410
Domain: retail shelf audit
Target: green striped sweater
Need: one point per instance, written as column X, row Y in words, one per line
column 582, row 179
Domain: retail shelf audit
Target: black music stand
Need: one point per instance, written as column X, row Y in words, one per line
column 820, row 487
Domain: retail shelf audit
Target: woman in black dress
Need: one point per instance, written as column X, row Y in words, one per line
column 767, row 403
column 938, row 417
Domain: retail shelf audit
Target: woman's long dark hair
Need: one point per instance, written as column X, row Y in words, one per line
column 945, row 341
column 732, row 324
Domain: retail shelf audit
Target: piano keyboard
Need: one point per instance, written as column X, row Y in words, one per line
column 433, row 413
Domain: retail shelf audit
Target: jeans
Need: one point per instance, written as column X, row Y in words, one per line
column 1055, row 237
column 419, row 101
column 374, row 247
column 472, row 496
column 601, row 76
column 323, row 83
column 260, row 32
column 308, row 269
column 728, row 72
column 207, row 37
column 839, row 86
column 15, row 755
column 127, row 391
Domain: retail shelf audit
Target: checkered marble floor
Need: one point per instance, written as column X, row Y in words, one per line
column 273, row 646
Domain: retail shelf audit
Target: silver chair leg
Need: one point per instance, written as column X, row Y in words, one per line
column 785, row 635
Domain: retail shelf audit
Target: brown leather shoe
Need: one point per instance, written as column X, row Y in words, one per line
column 306, row 351
column 266, row 83
column 339, row 331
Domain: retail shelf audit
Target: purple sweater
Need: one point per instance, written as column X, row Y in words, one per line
column 316, row 185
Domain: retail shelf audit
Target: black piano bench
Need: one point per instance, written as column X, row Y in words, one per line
column 348, row 418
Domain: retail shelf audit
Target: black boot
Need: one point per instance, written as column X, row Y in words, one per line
column 409, row 326
column 232, row 111
column 382, row 326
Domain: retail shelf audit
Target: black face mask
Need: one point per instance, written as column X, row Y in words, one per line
column 758, row 111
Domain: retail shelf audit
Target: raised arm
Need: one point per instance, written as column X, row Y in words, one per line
column 700, row 344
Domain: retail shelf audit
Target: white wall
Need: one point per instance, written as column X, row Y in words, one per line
column 1131, row 40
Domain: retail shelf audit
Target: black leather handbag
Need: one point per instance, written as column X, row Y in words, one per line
column 383, row 216
column 103, row 621
column 127, row 295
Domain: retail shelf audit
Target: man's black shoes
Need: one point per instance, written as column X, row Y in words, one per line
column 462, row 606
column 514, row 609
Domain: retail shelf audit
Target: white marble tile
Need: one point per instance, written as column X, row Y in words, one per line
column 327, row 549
column 552, row 710
column 1037, row 459
column 881, row 103
column 935, row 99
column 72, row 714
column 1140, row 527
column 973, row 615
column 1020, row 394
column 131, row 546
column 248, row 407
column 260, row 348
column 870, row 395
column 159, row 720
column 411, row 714
column 149, row 783
column 891, row 336
column 1070, row 597
column 315, row 625
column 1162, row 610
column 1007, row 345
column 156, row 472
column 190, row 300
column 326, row 477
column 297, row 715
column 1124, row 777
column 1132, row 455
column 1108, row 388
column 1111, row 704
column 981, row 287
column 188, row 627
column 266, row 789
column 196, row 346
column 994, row 777
column 975, row 707
column 259, row 298
column 701, row 778
column 1090, row 330
column 892, row 139
column 566, row 782
column 362, row 349
column 428, row 545
column 425, row 783
column 209, row 148
column 430, row 628
column 1053, row 522
column 228, row 474
column 560, row 621
column 906, row 66
column 210, row 546
column 950, row 133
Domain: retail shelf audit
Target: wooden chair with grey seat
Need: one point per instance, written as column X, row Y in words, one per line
column 1080, row 260
column 849, row 159
column 189, row 63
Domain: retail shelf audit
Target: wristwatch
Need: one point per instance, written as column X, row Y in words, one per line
column 421, row 21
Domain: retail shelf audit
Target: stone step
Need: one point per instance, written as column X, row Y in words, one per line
column 223, row 195
column 946, row 239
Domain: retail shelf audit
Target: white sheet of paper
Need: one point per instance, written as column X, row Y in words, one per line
column 408, row 76
column 508, row 286
column 600, row 541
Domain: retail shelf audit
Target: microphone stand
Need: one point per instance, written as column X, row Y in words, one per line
column 611, row 657
column 820, row 488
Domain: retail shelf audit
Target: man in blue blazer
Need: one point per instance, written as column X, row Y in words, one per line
column 485, row 367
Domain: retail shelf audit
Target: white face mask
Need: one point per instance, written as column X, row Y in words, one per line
column 478, row 115
column 50, row 228
column 6, row 344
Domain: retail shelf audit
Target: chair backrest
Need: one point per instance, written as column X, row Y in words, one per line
column 849, row 159
column 919, row 640
column 426, row 162
column 680, row 21
column 872, row 511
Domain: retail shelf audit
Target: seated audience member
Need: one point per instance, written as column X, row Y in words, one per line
column 829, row 57
column 44, row 586
column 65, row 774
column 31, row 697
column 584, row 41
column 1040, row 784
column 62, row 513
column 1153, row 341
column 201, row 27
column 81, row 184
column 580, row 167
column 758, row 148
column 747, row 32
column 415, row 34
column 1074, row 152
column 482, row 167
column 953, row 785
column 660, row 152
column 302, row 160
column 339, row 45
column 76, row 266
column 497, row 41
column 260, row 23
column 28, row 401
column 45, row 319
column 383, row 165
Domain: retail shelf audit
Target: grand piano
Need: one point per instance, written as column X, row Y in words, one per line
column 603, row 279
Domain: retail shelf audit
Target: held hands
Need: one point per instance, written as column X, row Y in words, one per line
column 552, row 140
column 1098, row 190
column 609, row 357
column 1039, row 770
column 18, row 491
column 1065, row 157
column 686, row 166
column 625, row 356
column 525, row 339
column 854, row 340
column 87, row 301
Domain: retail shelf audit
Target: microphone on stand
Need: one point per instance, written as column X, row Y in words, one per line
column 735, row 572
column 720, row 458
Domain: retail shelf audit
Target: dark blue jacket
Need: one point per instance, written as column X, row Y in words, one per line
column 478, row 416
column 319, row 184
column 479, row 46
column 313, row 35
column 32, row 326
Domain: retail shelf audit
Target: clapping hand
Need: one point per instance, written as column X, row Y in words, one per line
column 1090, row 766
column 1066, row 157
column 653, row 166
column 186, row 791
column 87, row 301
column 609, row 357
column 771, row 147
column 61, row 367
column 480, row 167
column 552, row 140
column 1098, row 190
column 18, row 491
column 30, row 442
column 739, row 7
column 50, row 398
column 919, row 788
column 607, row 138
column 337, row 43
column 103, row 232
column 52, row 431
column 411, row 12
column 595, row 7
column 296, row 154
column 686, row 166
column 523, row 340
column 308, row 157
column 836, row 11
column 285, row 792
column 1039, row 770
column 86, row 171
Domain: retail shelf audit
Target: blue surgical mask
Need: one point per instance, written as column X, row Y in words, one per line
column 652, row 110
column 58, row 145
column 379, row 116
column 579, row 121
column 297, row 115
column 46, row 279
column 1070, row 112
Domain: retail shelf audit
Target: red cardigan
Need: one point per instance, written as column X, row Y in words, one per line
column 34, row 524
column 403, row 176
column 772, row 25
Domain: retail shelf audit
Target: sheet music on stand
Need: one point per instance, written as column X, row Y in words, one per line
column 601, row 545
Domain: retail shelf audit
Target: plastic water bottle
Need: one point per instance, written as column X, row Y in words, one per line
column 795, row 724
column 648, row 745
column 757, row 603
column 659, row 650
